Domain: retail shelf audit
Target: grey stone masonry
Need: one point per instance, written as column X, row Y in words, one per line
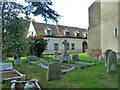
column 65, row 57
column 75, row 57
column 112, row 62
column 56, row 53
column 6, row 66
column 54, row 71
column 106, row 53
column 65, row 46
column 18, row 61
column 32, row 58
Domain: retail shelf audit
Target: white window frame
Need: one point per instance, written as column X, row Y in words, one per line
column 55, row 46
column 72, row 48
column 46, row 31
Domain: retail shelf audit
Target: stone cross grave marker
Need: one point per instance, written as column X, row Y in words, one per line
column 54, row 71
column 65, row 57
column 75, row 57
column 65, row 46
column 18, row 61
column 6, row 66
column 112, row 62
column 106, row 56
column 56, row 53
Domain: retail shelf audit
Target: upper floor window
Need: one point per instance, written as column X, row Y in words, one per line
column 48, row 32
column 86, row 35
column 78, row 34
column 116, row 31
column 67, row 33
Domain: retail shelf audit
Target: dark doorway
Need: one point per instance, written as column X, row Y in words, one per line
column 84, row 46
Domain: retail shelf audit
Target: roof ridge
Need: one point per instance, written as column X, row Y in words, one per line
column 59, row 25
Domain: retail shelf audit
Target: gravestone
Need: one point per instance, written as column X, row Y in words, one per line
column 75, row 57
column 112, row 62
column 106, row 56
column 65, row 57
column 18, row 61
column 56, row 53
column 31, row 58
column 6, row 66
column 54, row 71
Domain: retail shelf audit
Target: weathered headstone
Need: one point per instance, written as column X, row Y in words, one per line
column 111, row 62
column 18, row 61
column 54, row 71
column 6, row 66
column 106, row 56
column 31, row 58
column 75, row 57
column 65, row 57
column 56, row 53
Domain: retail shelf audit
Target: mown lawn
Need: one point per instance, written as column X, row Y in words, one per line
column 92, row 77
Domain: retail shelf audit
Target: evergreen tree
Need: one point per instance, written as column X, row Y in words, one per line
column 14, row 29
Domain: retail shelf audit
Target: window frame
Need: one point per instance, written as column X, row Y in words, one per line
column 56, row 46
column 116, row 31
column 77, row 34
column 68, row 46
column 72, row 46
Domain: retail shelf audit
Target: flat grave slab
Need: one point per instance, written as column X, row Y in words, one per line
column 8, row 73
column 6, row 66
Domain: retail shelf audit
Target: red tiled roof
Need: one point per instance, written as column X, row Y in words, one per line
column 59, row 30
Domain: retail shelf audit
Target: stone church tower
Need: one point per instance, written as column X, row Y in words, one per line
column 104, row 27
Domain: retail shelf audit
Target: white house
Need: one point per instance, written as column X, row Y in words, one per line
column 76, row 37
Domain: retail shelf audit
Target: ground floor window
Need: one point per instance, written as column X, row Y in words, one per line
column 56, row 46
column 68, row 46
column 73, row 46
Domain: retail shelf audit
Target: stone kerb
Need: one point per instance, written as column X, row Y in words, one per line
column 54, row 71
column 112, row 62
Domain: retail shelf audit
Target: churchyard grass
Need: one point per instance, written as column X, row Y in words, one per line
column 92, row 77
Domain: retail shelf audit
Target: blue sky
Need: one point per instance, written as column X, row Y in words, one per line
column 74, row 12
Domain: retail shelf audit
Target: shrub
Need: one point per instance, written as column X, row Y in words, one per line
column 37, row 45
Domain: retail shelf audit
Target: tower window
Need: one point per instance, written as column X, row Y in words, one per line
column 116, row 31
